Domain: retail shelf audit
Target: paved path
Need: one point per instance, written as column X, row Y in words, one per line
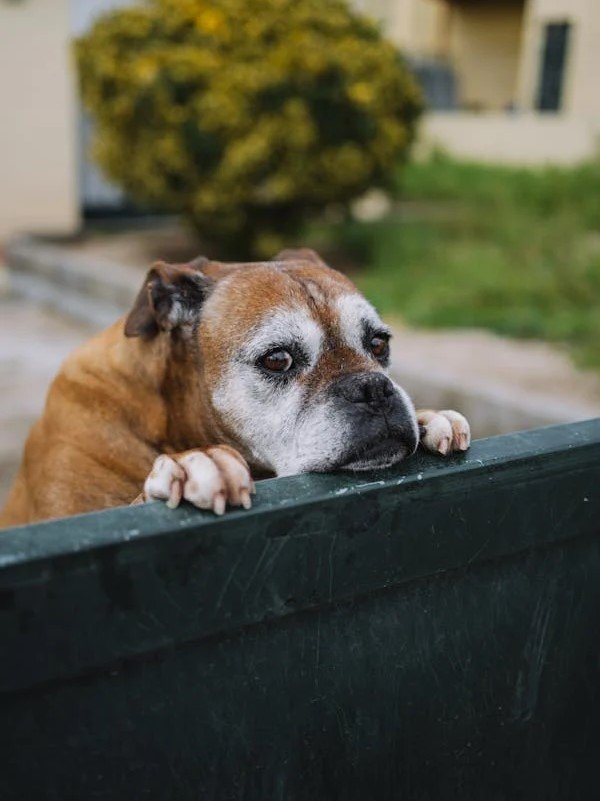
column 33, row 343
column 502, row 385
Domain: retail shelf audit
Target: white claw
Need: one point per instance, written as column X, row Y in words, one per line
column 176, row 494
column 444, row 445
column 172, row 503
column 219, row 504
column 245, row 499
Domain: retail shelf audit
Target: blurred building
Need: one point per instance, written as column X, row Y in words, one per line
column 38, row 133
column 47, row 176
column 505, row 80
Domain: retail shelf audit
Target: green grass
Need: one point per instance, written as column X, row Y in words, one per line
column 515, row 251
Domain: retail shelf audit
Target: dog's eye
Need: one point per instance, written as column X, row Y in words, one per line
column 379, row 346
column 277, row 361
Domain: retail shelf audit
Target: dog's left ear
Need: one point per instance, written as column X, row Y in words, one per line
column 300, row 254
column 171, row 297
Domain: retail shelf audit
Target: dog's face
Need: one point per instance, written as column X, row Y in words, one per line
column 294, row 359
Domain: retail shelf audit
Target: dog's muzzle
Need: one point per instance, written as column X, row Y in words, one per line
column 381, row 420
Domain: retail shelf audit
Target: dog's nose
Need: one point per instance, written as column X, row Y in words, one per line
column 372, row 389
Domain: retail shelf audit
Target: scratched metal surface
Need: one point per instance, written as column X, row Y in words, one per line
column 430, row 632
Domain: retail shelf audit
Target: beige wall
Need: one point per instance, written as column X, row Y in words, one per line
column 485, row 44
column 38, row 150
column 583, row 79
column 495, row 47
column 580, row 94
column 419, row 27
column 481, row 38
column 527, row 139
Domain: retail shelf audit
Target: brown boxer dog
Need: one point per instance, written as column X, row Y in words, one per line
column 221, row 372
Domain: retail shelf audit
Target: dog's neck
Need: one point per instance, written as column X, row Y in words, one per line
column 166, row 374
column 190, row 421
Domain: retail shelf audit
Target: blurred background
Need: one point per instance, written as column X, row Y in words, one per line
column 444, row 153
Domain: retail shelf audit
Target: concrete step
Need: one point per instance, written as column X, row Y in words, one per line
column 91, row 290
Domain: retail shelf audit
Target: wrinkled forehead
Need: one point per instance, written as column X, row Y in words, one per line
column 265, row 306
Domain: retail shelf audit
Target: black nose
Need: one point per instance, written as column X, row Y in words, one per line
column 373, row 389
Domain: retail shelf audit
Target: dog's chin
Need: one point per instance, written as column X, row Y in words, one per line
column 377, row 456
column 377, row 463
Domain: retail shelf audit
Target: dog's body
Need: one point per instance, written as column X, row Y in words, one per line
column 276, row 365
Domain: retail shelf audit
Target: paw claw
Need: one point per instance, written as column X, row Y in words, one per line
column 444, row 445
column 176, row 494
column 219, row 504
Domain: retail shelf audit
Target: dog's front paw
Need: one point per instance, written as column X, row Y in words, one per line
column 209, row 478
column 443, row 432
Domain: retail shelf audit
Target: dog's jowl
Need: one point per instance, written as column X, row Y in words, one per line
column 222, row 372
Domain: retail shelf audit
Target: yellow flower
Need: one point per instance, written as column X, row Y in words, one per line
column 145, row 69
column 361, row 92
column 210, row 20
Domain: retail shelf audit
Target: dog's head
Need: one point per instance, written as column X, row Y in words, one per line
column 293, row 358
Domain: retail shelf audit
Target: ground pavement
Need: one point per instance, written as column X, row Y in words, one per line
column 33, row 343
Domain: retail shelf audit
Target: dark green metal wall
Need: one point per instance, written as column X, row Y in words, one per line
column 426, row 633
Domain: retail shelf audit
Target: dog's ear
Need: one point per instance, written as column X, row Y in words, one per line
column 300, row 254
column 171, row 297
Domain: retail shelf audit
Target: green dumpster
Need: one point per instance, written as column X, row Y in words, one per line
column 428, row 632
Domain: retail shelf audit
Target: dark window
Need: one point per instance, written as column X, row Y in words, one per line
column 438, row 83
column 552, row 72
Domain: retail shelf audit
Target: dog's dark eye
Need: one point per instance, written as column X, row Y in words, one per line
column 379, row 346
column 277, row 361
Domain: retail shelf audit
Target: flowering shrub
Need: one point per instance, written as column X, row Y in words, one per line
column 246, row 116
